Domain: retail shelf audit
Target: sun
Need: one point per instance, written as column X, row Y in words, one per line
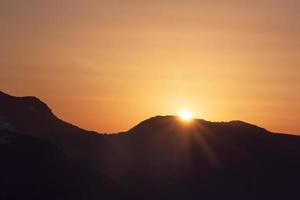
column 185, row 115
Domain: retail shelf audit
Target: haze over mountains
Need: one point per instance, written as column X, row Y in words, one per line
column 43, row 157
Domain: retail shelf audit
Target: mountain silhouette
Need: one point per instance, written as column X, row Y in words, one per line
column 160, row 158
column 30, row 116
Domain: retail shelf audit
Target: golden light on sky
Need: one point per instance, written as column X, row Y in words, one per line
column 185, row 115
column 107, row 65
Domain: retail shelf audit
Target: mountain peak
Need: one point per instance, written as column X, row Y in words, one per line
column 17, row 104
column 170, row 123
column 157, row 122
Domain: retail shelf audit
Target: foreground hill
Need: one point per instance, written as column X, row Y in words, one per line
column 232, row 160
column 160, row 158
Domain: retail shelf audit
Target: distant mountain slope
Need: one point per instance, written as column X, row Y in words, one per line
column 30, row 116
column 44, row 157
column 162, row 157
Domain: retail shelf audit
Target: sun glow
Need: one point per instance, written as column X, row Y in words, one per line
column 185, row 115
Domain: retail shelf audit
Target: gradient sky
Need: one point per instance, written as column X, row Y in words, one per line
column 106, row 65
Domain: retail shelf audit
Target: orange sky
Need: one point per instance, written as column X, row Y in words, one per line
column 106, row 65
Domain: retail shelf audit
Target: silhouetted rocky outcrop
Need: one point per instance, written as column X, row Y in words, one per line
column 160, row 158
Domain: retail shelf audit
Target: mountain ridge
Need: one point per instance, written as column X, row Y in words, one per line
column 160, row 158
column 36, row 103
column 15, row 108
